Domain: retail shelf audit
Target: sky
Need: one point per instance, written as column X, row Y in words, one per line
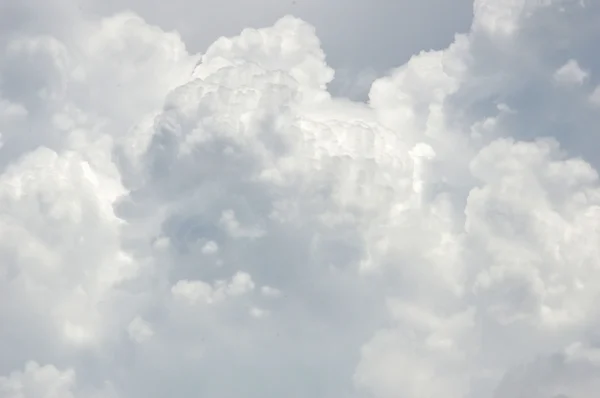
column 313, row 199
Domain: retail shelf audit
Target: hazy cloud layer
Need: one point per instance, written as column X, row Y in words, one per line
column 219, row 224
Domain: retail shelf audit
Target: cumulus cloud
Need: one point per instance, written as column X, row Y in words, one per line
column 47, row 382
column 220, row 224
column 570, row 73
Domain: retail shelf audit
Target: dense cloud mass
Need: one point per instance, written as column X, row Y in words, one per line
column 220, row 225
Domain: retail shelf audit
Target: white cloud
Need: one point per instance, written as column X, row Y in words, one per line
column 257, row 312
column 193, row 291
column 38, row 381
column 429, row 242
column 210, row 247
column 235, row 229
column 595, row 96
column 198, row 291
column 269, row 291
column 139, row 330
column 570, row 73
column 47, row 382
